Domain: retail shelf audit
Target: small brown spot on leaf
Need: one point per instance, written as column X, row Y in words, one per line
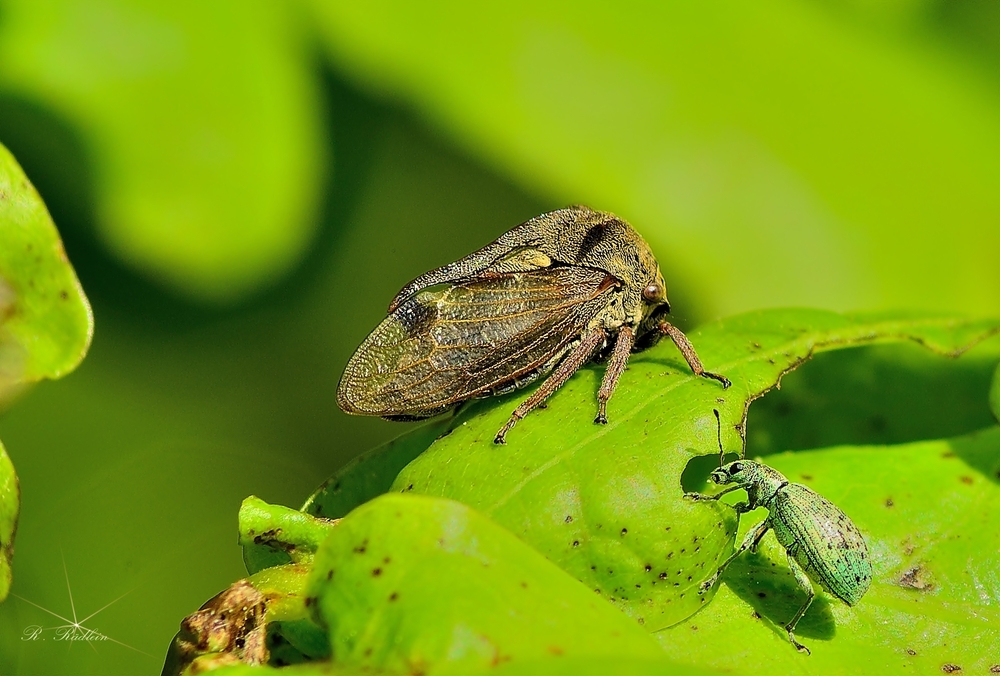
column 889, row 502
column 393, row 596
column 949, row 668
column 965, row 479
column 911, row 652
column 917, row 578
column 376, row 572
column 555, row 650
column 624, row 531
column 806, row 477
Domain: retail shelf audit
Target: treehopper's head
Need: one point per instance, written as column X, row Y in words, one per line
column 656, row 308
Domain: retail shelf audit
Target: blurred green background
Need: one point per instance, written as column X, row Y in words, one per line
column 243, row 187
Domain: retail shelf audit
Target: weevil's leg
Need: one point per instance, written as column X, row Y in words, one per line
column 753, row 545
column 755, row 534
column 690, row 356
column 800, row 577
column 714, row 496
column 616, row 366
column 581, row 354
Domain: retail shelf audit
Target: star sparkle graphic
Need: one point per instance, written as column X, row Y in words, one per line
column 75, row 629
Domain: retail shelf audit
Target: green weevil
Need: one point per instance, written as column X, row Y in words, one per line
column 822, row 543
column 545, row 297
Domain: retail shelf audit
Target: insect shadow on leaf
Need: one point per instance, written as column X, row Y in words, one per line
column 544, row 299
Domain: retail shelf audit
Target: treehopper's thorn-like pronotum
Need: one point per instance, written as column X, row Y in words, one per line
column 544, row 298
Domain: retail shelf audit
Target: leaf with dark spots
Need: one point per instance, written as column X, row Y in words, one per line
column 272, row 535
column 626, row 474
column 460, row 593
column 931, row 564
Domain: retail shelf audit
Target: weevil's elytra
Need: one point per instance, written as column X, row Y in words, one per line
column 543, row 299
column 822, row 543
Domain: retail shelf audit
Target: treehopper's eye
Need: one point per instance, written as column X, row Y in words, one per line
column 653, row 292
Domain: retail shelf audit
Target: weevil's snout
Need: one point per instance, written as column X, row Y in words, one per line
column 720, row 476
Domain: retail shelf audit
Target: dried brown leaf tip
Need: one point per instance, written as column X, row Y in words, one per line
column 229, row 626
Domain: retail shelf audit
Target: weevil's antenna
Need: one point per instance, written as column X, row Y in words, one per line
column 718, row 434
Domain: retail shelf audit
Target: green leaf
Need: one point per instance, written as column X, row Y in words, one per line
column 272, row 535
column 424, row 584
column 372, row 473
column 200, row 120
column 774, row 152
column 10, row 500
column 551, row 666
column 909, row 394
column 995, row 394
column 605, row 502
column 312, row 669
column 366, row 477
column 45, row 320
column 929, row 513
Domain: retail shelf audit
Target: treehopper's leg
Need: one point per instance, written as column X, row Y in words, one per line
column 690, row 356
column 616, row 366
column 803, row 581
column 751, row 540
column 589, row 344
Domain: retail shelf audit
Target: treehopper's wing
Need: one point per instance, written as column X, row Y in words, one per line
column 475, row 337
